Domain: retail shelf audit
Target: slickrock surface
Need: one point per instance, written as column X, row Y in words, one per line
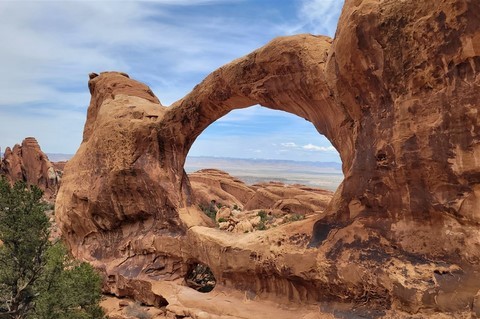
column 396, row 92
column 237, row 207
column 27, row 162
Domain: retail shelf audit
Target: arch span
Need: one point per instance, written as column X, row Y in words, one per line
column 287, row 74
column 134, row 149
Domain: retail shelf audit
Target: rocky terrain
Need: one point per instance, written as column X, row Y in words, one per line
column 237, row 207
column 28, row 163
column 397, row 94
column 324, row 175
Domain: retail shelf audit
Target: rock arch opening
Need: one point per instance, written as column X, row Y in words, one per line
column 257, row 168
column 200, row 277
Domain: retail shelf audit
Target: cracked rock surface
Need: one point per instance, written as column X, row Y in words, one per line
column 397, row 92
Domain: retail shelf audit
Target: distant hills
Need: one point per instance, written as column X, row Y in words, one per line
column 59, row 157
column 327, row 175
column 194, row 161
column 199, row 162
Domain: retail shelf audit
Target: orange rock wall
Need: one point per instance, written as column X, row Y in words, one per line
column 397, row 94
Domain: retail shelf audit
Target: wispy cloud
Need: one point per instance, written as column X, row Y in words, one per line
column 289, row 144
column 49, row 47
column 321, row 16
column 316, row 17
column 308, row 147
column 312, row 147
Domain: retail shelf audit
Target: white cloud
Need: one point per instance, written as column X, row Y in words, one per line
column 49, row 47
column 312, row 147
column 289, row 145
column 307, row 147
column 321, row 15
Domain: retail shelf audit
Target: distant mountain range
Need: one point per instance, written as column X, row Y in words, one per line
column 327, row 175
column 58, row 157
column 200, row 161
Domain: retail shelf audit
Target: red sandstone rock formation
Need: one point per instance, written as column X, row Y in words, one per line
column 397, row 94
column 28, row 163
column 239, row 207
column 212, row 184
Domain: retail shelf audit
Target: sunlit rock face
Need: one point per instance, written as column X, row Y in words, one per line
column 397, row 92
column 27, row 162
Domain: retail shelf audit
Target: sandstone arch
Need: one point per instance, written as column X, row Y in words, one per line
column 288, row 74
column 396, row 92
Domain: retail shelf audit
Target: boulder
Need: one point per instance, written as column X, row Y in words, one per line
column 224, row 213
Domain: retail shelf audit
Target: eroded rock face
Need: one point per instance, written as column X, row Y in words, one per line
column 241, row 208
column 28, row 163
column 226, row 190
column 397, row 94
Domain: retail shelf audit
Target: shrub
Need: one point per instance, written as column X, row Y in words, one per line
column 263, row 215
column 209, row 212
column 261, row 226
column 293, row 218
column 37, row 278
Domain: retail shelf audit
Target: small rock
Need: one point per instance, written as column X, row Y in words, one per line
column 224, row 213
column 244, row 226
column 255, row 221
column 223, row 225
column 203, row 315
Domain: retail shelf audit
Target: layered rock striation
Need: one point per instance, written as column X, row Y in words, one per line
column 28, row 163
column 397, row 94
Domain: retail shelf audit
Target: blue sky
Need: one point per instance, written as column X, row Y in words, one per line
column 49, row 47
